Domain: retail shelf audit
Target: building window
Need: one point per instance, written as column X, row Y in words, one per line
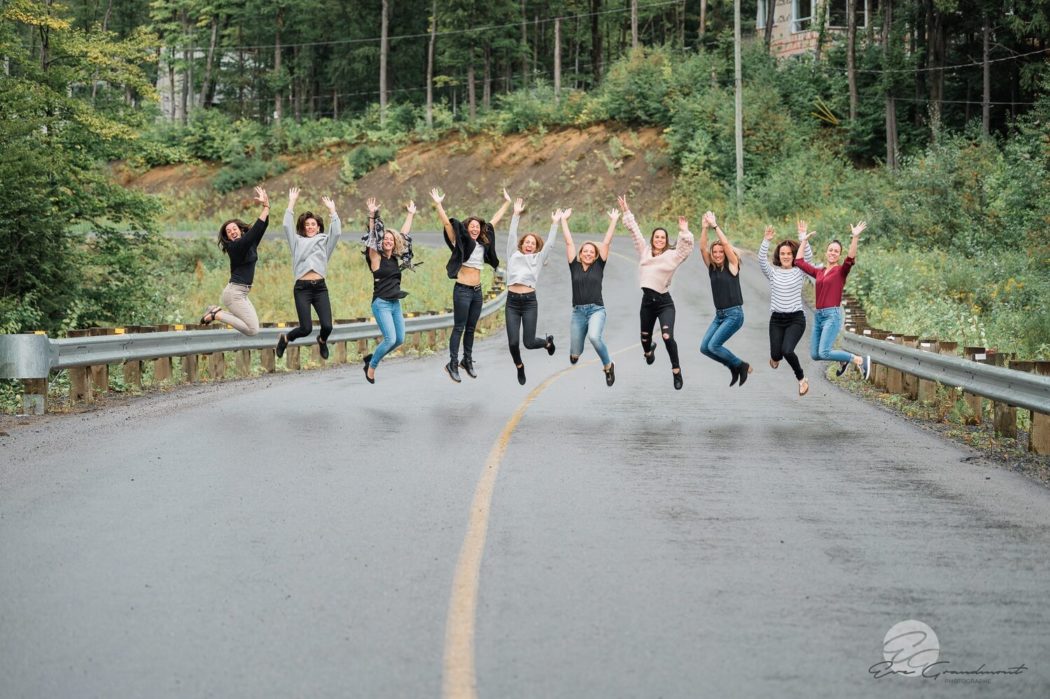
column 760, row 22
column 837, row 17
column 801, row 15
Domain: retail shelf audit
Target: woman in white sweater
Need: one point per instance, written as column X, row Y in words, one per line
column 525, row 257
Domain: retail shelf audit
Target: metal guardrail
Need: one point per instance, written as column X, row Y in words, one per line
column 1009, row 386
column 34, row 356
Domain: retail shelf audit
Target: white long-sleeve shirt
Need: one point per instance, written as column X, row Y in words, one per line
column 521, row 268
column 785, row 283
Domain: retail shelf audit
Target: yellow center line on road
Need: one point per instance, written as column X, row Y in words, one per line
column 460, row 679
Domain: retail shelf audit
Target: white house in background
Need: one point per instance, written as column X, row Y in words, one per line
column 795, row 22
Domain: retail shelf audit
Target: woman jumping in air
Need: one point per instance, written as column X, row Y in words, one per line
column 723, row 266
column 311, row 249
column 383, row 252
column 830, row 281
column 240, row 243
column 525, row 258
column 787, row 321
column 587, row 270
column 473, row 245
column 657, row 262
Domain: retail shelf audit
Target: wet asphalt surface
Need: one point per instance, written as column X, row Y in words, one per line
column 296, row 535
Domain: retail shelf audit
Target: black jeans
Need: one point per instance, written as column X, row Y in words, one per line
column 658, row 306
column 466, row 311
column 521, row 310
column 307, row 293
column 785, row 330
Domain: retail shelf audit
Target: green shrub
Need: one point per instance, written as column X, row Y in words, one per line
column 365, row 158
column 245, row 171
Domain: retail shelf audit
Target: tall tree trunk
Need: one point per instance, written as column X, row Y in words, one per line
column 430, row 64
column 298, row 85
column 557, row 58
column 596, row 43
column 535, row 44
column 471, row 97
column 486, row 79
column 771, row 8
column 384, row 49
column 851, row 60
column 986, row 71
column 891, row 107
column 171, row 84
column 739, row 104
column 105, row 27
column 634, row 24
column 937, row 50
column 187, row 67
column 277, row 98
column 524, row 47
column 576, row 56
column 703, row 21
column 679, row 14
column 206, row 88
column 335, row 103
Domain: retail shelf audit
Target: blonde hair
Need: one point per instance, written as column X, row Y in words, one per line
column 399, row 243
column 597, row 250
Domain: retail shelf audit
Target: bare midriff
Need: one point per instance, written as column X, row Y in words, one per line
column 520, row 289
column 468, row 276
column 311, row 276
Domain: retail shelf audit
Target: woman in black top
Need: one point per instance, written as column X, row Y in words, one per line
column 384, row 251
column 723, row 265
column 587, row 269
column 239, row 241
column 473, row 245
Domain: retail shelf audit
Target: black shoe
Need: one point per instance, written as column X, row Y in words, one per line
column 521, row 374
column 282, row 344
column 842, row 368
column 677, row 381
column 735, row 371
column 367, row 359
column 573, row 360
column 468, row 366
column 610, row 375
column 650, row 356
column 743, row 371
column 323, row 344
column 550, row 345
column 453, row 371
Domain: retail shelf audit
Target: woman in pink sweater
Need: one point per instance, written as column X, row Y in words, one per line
column 657, row 262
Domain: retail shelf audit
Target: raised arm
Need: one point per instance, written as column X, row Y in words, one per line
column 570, row 247
column 705, row 224
column 372, row 244
column 410, row 210
column 803, row 232
column 731, row 256
column 684, row 246
column 632, row 225
column 603, row 248
column 803, row 252
column 512, row 236
column 336, row 229
column 289, row 217
column 855, row 232
column 258, row 227
column 763, row 253
column 498, row 216
column 438, row 197
column 551, row 234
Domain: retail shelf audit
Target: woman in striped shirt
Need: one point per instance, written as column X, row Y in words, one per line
column 787, row 321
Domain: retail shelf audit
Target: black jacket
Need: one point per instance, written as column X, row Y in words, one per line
column 465, row 247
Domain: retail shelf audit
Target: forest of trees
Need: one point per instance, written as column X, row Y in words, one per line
column 930, row 116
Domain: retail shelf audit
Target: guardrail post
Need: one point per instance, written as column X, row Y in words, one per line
column 910, row 382
column 362, row 348
column 189, row 368
column 34, row 396
column 1039, row 436
column 268, row 359
column 291, row 359
column 133, row 374
column 315, row 354
column 244, row 363
column 895, row 377
column 1004, row 417
column 216, row 365
column 340, row 353
column 878, row 371
column 80, row 385
column 927, row 388
column 161, row 369
column 973, row 401
column 100, row 378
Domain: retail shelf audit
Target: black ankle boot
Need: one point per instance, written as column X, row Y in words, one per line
column 468, row 366
column 550, row 345
column 735, row 371
column 677, row 380
column 521, row 374
column 452, row 370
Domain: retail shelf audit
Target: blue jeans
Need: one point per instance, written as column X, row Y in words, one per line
column 727, row 321
column 826, row 325
column 588, row 320
column 392, row 324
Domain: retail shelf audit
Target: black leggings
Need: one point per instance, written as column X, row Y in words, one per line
column 466, row 311
column 785, row 330
column 658, row 306
column 521, row 310
column 307, row 293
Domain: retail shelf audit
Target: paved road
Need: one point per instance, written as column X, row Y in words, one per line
column 307, row 535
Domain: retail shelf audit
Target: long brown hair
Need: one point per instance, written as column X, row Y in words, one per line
column 300, row 225
column 539, row 242
column 785, row 243
column 224, row 242
column 483, row 236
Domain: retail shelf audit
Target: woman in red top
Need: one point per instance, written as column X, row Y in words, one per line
column 830, row 281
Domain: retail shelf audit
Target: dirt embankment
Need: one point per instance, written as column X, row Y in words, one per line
column 580, row 168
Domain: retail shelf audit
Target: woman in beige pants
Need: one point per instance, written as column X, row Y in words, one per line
column 240, row 241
